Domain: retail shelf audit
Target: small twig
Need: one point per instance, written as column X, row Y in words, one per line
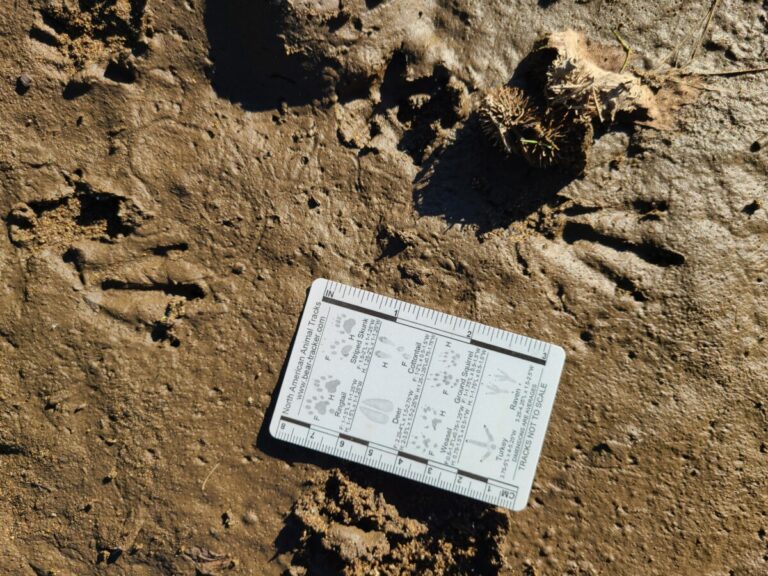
column 707, row 24
column 597, row 105
column 536, row 143
column 673, row 58
column 730, row 73
column 209, row 475
column 627, row 50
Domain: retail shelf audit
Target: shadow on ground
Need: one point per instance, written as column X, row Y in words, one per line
column 470, row 182
column 250, row 66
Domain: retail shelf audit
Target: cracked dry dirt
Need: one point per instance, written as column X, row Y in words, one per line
column 174, row 174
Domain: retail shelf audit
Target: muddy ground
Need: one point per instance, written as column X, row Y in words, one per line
column 175, row 173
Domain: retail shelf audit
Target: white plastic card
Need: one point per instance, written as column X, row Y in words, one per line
column 432, row 397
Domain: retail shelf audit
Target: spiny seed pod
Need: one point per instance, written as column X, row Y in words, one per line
column 502, row 108
column 509, row 118
column 573, row 147
column 569, row 87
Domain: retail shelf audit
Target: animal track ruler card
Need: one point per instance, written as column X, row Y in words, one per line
column 415, row 392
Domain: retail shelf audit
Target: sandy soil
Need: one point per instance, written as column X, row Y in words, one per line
column 175, row 173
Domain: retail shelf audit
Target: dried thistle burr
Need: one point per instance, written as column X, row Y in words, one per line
column 509, row 118
column 588, row 79
column 580, row 85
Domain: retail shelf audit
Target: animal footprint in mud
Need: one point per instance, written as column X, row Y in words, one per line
column 344, row 324
column 621, row 250
column 377, row 409
column 318, row 406
column 90, row 214
column 330, row 384
column 143, row 280
column 338, row 347
column 389, row 343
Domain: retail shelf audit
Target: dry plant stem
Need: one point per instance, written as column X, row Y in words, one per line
column 627, row 50
column 597, row 105
column 673, row 57
column 209, row 475
column 707, row 23
column 729, row 73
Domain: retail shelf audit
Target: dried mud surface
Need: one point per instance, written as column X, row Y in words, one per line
column 175, row 173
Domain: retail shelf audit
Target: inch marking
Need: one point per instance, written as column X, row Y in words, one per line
column 360, row 309
column 507, row 495
column 508, row 352
column 412, row 457
column 472, row 475
column 353, row 439
column 294, row 421
column 431, row 328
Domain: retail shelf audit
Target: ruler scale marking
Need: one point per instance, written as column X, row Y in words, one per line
column 418, row 393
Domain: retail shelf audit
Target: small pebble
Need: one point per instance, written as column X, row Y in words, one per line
column 250, row 518
column 23, row 83
column 109, row 477
column 238, row 268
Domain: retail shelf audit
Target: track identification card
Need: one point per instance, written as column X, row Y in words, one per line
column 415, row 392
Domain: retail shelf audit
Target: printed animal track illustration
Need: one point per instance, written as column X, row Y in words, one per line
column 344, row 324
column 393, row 347
column 443, row 379
column 432, row 417
column 494, row 390
column 450, row 358
column 327, row 382
column 427, row 444
column 317, row 405
column 377, row 409
column 503, row 377
column 488, row 444
column 339, row 347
